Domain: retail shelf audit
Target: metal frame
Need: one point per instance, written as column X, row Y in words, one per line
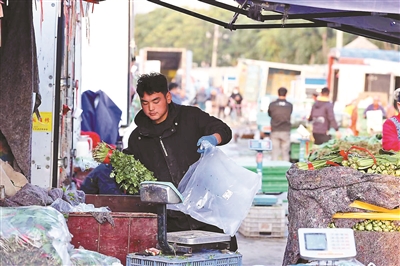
column 312, row 19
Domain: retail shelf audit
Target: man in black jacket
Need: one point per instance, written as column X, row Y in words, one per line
column 168, row 139
column 280, row 112
column 323, row 118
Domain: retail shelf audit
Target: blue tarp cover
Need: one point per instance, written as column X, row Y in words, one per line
column 101, row 115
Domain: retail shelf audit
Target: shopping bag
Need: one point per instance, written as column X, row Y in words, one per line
column 217, row 191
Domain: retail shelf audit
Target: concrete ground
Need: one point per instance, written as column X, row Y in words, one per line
column 261, row 251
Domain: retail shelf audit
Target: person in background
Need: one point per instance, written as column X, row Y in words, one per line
column 315, row 96
column 352, row 110
column 391, row 128
column 323, row 118
column 237, row 101
column 375, row 106
column 133, row 72
column 167, row 141
column 201, row 98
column 280, row 112
column 392, row 109
column 175, row 93
column 221, row 101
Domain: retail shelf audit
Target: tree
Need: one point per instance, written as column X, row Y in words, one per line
column 167, row 28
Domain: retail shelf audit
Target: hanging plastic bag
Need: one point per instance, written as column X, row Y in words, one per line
column 217, row 191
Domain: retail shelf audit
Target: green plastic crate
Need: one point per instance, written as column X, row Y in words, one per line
column 273, row 178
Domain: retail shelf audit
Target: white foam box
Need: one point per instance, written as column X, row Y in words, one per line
column 264, row 221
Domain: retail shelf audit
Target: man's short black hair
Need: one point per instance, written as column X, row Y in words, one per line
column 282, row 91
column 172, row 86
column 325, row 91
column 152, row 83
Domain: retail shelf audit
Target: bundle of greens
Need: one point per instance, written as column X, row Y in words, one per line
column 359, row 153
column 372, row 144
column 127, row 171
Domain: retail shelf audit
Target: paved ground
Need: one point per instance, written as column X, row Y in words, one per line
column 261, row 251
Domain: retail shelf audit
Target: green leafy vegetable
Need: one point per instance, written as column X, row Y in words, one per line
column 127, row 171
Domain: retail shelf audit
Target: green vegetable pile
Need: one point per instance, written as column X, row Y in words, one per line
column 373, row 144
column 127, row 171
column 14, row 251
column 32, row 235
column 360, row 153
column 373, row 225
column 376, row 225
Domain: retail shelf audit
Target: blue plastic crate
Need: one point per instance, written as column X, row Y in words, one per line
column 206, row 258
column 265, row 200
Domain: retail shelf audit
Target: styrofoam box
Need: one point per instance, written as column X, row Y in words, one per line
column 264, row 221
column 207, row 258
column 270, row 212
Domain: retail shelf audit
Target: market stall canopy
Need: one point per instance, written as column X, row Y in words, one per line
column 375, row 19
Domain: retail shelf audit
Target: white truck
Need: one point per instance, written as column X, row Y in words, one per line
column 78, row 41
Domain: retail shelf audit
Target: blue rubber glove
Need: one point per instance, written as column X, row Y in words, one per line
column 210, row 138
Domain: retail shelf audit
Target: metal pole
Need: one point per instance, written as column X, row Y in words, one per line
column 259, row 160
column 215, row 46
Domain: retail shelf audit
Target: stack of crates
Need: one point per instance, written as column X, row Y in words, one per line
column 205, row 258
column 273, row 176
column 264, row 221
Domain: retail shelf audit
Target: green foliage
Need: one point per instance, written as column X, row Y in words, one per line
column 129, row 172
column 168, row 28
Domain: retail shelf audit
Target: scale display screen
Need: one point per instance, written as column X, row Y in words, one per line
column 260, row 145
column 315, row 241
column 327, row 243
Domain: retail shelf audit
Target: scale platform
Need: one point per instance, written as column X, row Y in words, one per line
column 188, row 241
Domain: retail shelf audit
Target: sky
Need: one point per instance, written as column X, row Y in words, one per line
column 143, row 6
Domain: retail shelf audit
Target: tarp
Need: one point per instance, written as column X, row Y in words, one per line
column 100, row 115
column 19, row 78
column 381, row 20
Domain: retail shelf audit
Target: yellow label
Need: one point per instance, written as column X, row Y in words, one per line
column 43, row 124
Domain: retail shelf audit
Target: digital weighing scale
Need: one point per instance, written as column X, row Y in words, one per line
column 163, row 193
column 260, row 145
column 327, row 244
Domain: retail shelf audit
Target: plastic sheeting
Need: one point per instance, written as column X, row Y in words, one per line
column 217, row 191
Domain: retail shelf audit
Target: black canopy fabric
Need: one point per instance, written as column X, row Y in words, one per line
column 376, row 19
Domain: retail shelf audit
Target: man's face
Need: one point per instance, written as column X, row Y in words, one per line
column 155, row 106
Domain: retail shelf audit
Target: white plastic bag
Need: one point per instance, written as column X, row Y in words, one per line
column 65, row 207
column 217, row 191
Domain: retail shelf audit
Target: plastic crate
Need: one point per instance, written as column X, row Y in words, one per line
column 206, row 258
column 264, row 221
column 266, row 212
column 265, row 200
column 273, row 178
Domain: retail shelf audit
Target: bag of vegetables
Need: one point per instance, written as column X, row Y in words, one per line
column 127, row 171
column 323, row 191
